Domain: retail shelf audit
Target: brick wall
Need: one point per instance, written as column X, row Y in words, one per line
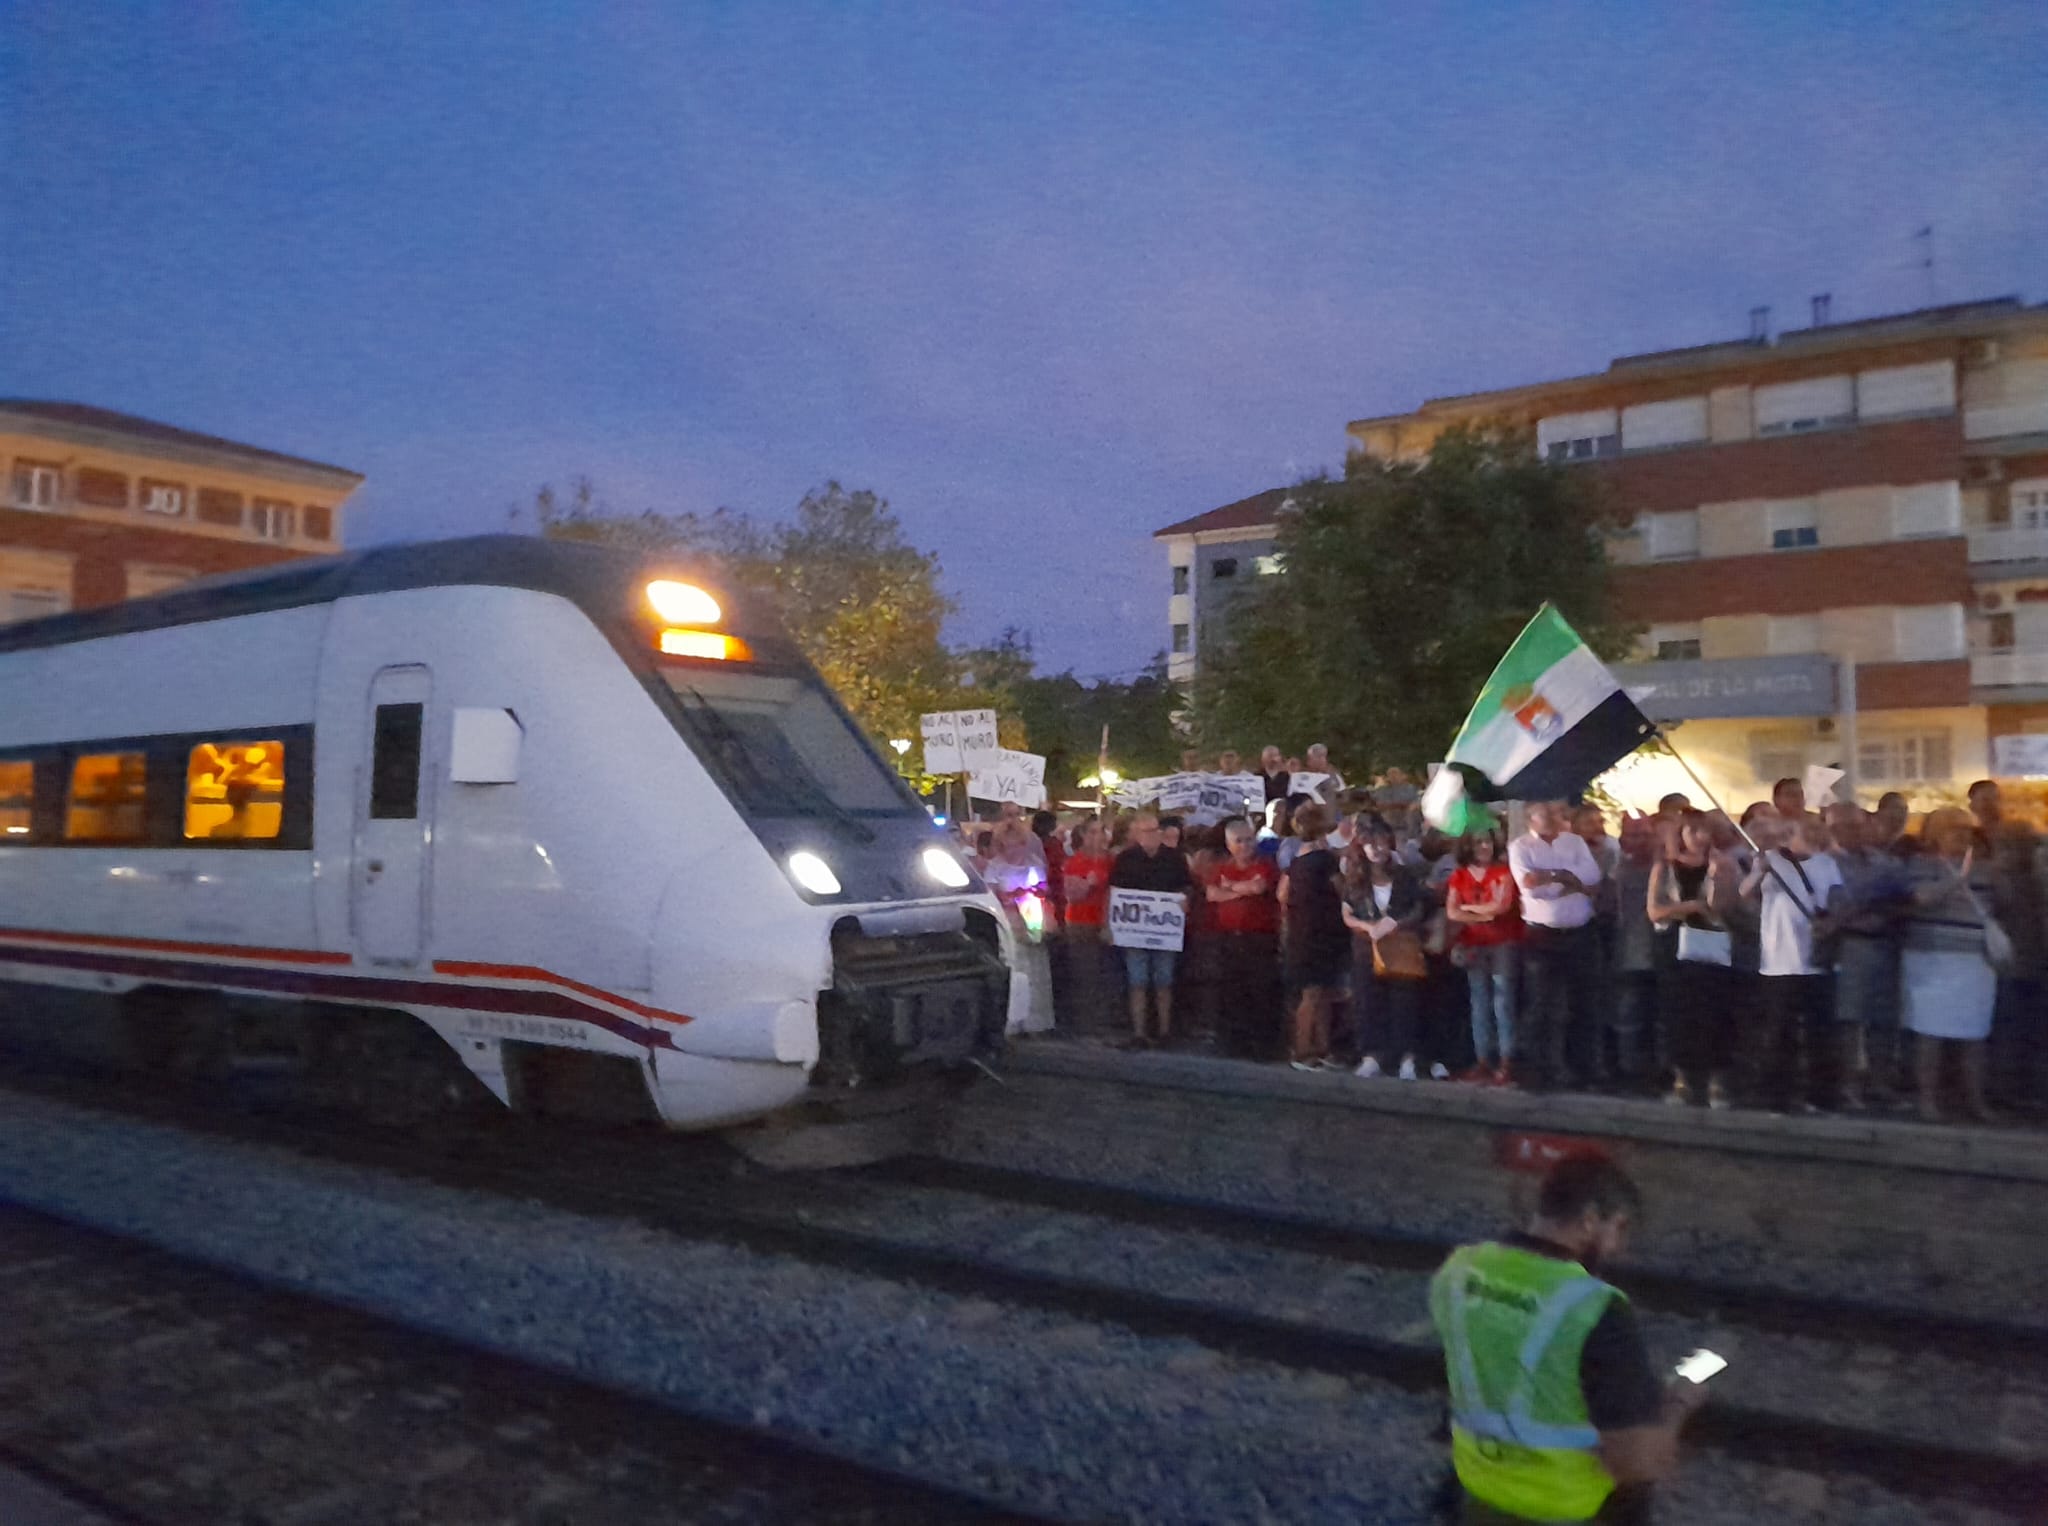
column 1788, row 466
column 103, row 552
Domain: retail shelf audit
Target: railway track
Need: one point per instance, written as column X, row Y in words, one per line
column 158, row 1391
column 683, row 1187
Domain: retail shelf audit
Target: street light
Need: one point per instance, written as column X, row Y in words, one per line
column 901, row 744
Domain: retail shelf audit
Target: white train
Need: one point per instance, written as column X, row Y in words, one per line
column 589, row 824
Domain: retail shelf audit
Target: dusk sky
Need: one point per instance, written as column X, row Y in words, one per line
column 1048, row 278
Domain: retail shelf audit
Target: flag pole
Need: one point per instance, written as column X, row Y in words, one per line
column 1741, row 831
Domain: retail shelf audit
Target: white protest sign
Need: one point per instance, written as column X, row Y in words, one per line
column 1820, row 784
column 977, row 736
column 941, row 730
column 1007, row 775
column 1226, row 795
column 1146, row 919
column 2020, row 757
column 1180, row 792
column 1309, row 784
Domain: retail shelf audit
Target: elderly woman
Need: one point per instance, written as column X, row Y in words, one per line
column 1015, row 872
column 1244, row 925
column 1950, row 986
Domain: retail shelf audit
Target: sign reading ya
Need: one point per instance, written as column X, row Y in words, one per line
column 1007, row 775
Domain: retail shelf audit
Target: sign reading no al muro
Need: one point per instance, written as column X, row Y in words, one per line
column 1147, row 919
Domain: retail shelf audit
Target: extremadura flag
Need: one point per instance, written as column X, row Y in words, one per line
column 1550, row 721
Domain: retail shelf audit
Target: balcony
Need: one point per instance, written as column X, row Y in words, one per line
column 2009, row 668
column 2009, row 543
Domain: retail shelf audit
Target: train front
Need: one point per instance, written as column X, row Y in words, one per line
column 833, row 950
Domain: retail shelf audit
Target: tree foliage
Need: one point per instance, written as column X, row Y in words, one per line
column 861, row 601
column 1063, row 715
column 1400, row 587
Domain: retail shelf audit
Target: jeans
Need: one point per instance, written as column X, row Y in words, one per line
column 1388, row 1013
column 1563, row 965
column 1490, row 970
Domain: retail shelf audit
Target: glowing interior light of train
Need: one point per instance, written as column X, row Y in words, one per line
column 683, row 603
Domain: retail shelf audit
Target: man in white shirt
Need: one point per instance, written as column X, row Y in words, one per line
column 1557, row 876
column 1797, row 883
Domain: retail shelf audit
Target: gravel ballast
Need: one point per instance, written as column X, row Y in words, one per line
column 1050, row 1413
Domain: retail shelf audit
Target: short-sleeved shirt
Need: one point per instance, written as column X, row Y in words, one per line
column 1166, row 870
column 1091, row 910
column 1787, row 922
column 1316, row 934
column 1247, row 914
column 1476, row 887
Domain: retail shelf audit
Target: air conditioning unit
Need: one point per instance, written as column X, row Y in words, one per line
column 1981, row 352
column 1825, row 726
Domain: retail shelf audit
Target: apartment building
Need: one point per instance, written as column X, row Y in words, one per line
column 1839, row 552
column 100, row 506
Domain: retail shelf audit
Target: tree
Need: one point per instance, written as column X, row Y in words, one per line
column 1063, row 715
column 860, row 600
column 1399, row 588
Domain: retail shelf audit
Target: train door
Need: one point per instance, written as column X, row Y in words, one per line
column 394, row 822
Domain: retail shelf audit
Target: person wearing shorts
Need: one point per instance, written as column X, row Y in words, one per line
column 1148, row 864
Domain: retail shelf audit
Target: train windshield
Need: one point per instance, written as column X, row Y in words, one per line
column 782, row 747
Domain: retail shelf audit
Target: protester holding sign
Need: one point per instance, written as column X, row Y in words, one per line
column 1149, row 865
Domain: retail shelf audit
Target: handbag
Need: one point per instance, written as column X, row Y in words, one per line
column 1704, row 945
column 1399, row 956
column 1998, row 950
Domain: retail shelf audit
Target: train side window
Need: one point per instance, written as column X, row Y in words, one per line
column 108, row 793
column 395, row 763
column 234, row 791
column 17, row 797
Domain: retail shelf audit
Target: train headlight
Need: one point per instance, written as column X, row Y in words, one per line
column 683, row 603
column 945, row 868
column 813, row 873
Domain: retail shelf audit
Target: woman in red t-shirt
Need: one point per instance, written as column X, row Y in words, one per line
column 1085, row 876
column 1244, row 925
column 1480, row 901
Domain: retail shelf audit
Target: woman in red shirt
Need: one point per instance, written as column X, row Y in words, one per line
column 1480, row 901
column 1085, row 877
column 1244, row 926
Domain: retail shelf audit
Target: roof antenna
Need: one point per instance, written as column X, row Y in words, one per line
column 1760, row 325
column 1925, row 239
column 1822, row 303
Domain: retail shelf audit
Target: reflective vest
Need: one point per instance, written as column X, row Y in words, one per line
column 1513, row 1324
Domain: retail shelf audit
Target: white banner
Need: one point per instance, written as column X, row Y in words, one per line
column 941, row 731
column 2020, row 757
column 1146, row 919
column 1313, row 785
column 1007, row 775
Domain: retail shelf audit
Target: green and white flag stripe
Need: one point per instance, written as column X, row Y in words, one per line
column 1550, row 720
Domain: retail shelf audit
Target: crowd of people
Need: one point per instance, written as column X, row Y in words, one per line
column 1839, row 959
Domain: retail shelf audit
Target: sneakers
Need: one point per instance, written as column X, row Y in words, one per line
column 1408, row 1068
column 1717, row 1097
column 1369, row 1068
column 1503, row 1075
column 1680, row 1095
column 1439, row 1071
column 1331, row 1062
column 1305, row 1064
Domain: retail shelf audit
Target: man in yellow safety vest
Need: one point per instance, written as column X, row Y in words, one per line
column 1556, row 1412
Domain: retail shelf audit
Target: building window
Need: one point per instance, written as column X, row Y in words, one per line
column 17, row 798
column 1223, row 567
column 107, row 792
column 1180, row 638
column 1775, row 755
column 317, row 522
column 37, row 485
column 1180, row 573
column 1903, row 757
column 2030, row 505
column 33, row 584
column 98, row 488
column 30, row 604
column 1820, row 402
column 218, row 506
column 1265, row 566
column 1795, row 524
column 272, row 520
column 1928, row 632
column 167, row 498
column 1579, row 436
column 234, row 791
column 146, row 580
column 1672, row 537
